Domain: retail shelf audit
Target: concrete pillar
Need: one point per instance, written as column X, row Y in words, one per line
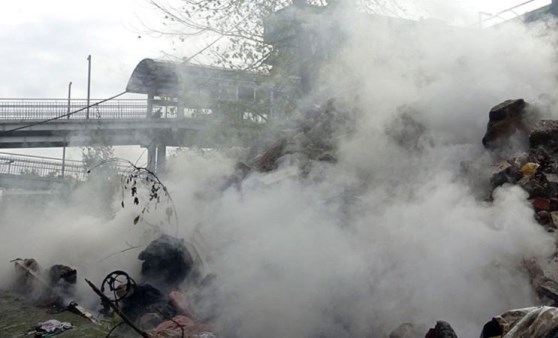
column 151, row 159
column 180, row 109
column 149, row 111
column 161, row 158
column 554, row 7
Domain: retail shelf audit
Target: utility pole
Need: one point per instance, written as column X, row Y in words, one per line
column 88, row 85
column 68, row 117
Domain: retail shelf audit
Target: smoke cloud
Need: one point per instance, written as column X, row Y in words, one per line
column 393, row 232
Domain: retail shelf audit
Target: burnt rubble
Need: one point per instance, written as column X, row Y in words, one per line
column 535, row 167
column 511, row 118
column 52, row 287
column 154, row 307
column 514, row 128
column 166, row 262
column 441, row 330
column 313, row 140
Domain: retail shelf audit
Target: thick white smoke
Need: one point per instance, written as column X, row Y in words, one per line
column 393, row 232
column 389, row 234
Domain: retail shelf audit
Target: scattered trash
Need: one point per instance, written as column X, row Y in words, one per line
column 51, row 328
column 530, row 168
column 531, row 322
column 536, row 171
column 49, row 288
column 156, row 307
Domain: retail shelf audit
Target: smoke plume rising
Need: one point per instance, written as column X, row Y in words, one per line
column 393, row 232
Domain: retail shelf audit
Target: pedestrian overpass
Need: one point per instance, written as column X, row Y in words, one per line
column 185, row 106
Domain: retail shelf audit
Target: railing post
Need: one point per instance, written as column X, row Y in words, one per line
column 161, row 158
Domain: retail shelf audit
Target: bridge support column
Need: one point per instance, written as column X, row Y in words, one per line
column 161, row 158
column 180, row 109
column 149, row 111
column 151, row 160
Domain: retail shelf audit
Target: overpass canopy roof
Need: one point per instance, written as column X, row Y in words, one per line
column 165, row 78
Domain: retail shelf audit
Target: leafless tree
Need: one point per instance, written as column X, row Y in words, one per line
column 234, row 28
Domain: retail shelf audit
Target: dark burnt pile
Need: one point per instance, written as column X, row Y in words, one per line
column 535, row 169
column 52, row 287
column 313, row 140
column 156, row 306
column 525, row 153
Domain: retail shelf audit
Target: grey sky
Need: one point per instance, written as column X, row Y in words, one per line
column 44, row 44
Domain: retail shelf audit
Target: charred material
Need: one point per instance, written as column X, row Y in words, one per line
column 441, row 330
column 315, row 139
column 51, row 287
column 544, row 133
column 166, row 262
column 511, row 117
column 147, row 310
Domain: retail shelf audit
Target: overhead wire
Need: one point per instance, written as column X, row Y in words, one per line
column 96, row 104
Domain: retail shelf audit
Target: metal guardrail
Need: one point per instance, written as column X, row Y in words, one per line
column 48, row 167
column 12, row 109
column 45, row 167
column 488, row 19
column 41, row 109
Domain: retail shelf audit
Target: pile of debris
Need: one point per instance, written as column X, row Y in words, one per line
column 314, row 139
column 45, row 287
column 513, row 124
column 155, row 307
column 514, row 128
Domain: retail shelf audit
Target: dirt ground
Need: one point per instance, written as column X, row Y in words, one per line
column 18, row 317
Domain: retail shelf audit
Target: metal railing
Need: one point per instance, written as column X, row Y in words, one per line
column 489, row 19
column 39, row 166
column 46, row 167
column 42, row 109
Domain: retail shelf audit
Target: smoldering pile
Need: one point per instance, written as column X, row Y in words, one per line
column 155, row 306
column 514, row 128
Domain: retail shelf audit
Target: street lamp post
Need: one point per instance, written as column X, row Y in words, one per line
column 88, row 85
column 68, row 116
